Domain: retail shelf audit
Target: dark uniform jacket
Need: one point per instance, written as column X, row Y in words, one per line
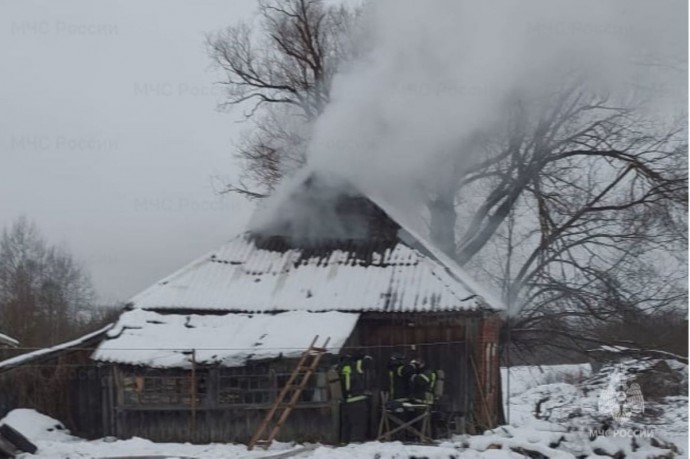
column 354, row 377
column 399, row 374
column 422, row 386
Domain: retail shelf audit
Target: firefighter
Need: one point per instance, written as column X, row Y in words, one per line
column 400, row 370
column 355, row 408
column 427, row 387
column 422, row 383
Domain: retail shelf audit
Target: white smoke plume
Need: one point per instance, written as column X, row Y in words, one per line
column 436, row 74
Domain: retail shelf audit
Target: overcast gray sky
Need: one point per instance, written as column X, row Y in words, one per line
column 109, row 133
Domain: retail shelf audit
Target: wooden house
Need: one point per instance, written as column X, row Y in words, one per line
column 201, row 355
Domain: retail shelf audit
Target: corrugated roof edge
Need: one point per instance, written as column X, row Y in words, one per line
column 39, row 354
column 188, row 267
column 132, row 303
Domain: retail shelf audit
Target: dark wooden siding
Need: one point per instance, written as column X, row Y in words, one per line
column 66, row 387
column 440, row 341
column 88, row 405
column 225, row 425
column 214, row 422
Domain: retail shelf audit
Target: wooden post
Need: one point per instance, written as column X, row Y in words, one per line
column 192, row 400
column 112, row 401
column 118, row 401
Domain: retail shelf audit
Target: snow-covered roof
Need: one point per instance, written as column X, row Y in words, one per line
column 322, row 244
column 246, row 275
column 48, row 352
column 158, row 340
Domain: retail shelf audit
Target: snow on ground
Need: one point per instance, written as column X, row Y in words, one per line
column 521, row 378
column 531, row 383
column 34, row 425
column 508, row 442
column 575, row 404
column 553, row 410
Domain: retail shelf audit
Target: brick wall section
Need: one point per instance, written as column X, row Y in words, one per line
column 487, row 363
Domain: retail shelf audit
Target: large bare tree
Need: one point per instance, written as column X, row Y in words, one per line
column 281, row 75
column 582, row 201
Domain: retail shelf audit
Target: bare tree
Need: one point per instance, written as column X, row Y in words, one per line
column 605, row 158
column 42, row 288
column 282, row 77
column 580, row 200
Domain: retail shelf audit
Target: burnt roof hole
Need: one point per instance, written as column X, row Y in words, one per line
column 325, row 210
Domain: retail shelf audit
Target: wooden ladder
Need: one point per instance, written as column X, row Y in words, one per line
column 306, row 366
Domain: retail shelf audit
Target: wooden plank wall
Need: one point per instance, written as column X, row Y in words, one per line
column 305, row 424
column 438, row 340
column 65, row 387
column 213, row 423
column 87, row 403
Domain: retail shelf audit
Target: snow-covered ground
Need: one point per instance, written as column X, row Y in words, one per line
column 566, row 395
column 521, row 378
column 524, row 385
